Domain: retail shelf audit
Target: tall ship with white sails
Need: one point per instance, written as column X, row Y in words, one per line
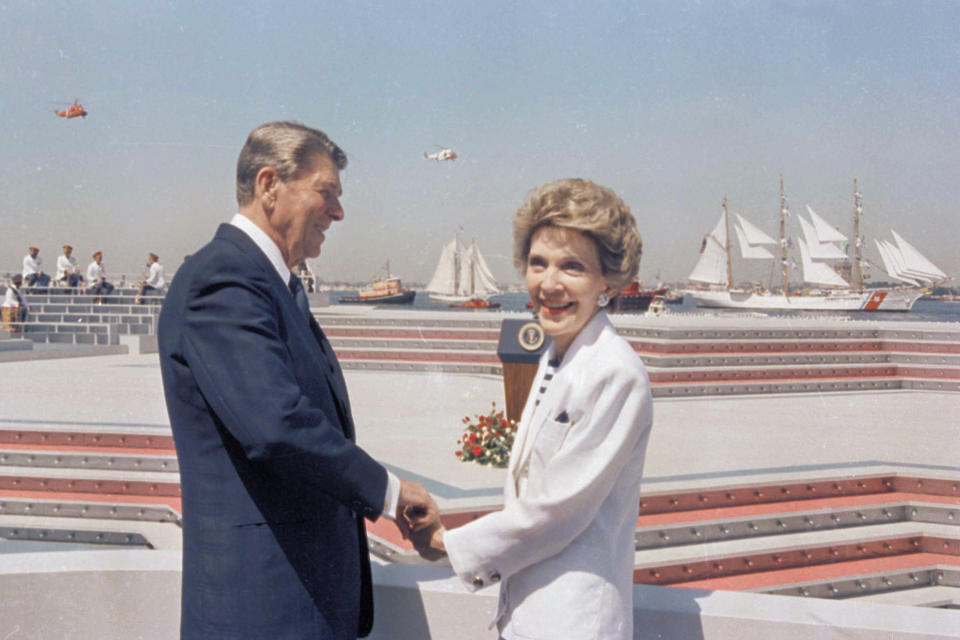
column 462, row 277
column 827, row 290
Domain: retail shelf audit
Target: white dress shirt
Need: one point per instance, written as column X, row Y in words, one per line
column 66, row 266
column 272, row 251
column 95, row 273
column 155, row 278
column 31, row 265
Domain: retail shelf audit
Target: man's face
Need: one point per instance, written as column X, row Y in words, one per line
column 34, row 253
column 304, row 209
column 67, row 252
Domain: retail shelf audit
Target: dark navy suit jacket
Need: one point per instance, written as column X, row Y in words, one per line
column 274, row 487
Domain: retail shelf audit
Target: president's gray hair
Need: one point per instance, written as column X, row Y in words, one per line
column 286, row 146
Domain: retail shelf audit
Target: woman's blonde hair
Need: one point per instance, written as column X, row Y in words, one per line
column 582, row 205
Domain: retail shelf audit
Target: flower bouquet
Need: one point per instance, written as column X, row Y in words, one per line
column 488, row 439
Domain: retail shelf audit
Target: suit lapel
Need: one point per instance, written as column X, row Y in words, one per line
column 334, row 375
column 321, row 351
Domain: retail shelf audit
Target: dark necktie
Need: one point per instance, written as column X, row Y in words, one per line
column 300, row 296
column 339, row 387
column 296, row 287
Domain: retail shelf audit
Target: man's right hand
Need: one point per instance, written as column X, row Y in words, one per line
column 416, row 509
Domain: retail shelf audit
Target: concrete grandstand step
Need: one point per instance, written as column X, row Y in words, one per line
column 399, row 365
column 125, row 460
column 398, row 343
column 91, row 485
column 670, row 565
column 97, row 510
column 774, row 519
column 794, row 372
column 102, row 439
column 903, row 592
column 676, row 501
column 20, row 531
column 425, row 333
column 800, row 579
column 774, row 536
column 90, row 530
column 15, row 344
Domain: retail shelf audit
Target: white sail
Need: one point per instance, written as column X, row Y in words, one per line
column 711, row 268
column 465, row 275
column 748, row 250
column 819, row 250
column 817, row 272
column 484, row 284
column 893, row 262
column 825, row 232
column 752, row 233
column 445, row 276
column 916, row 262
column 461, row 274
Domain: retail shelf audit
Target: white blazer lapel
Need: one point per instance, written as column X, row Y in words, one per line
column 552, row 399
column 534, row 415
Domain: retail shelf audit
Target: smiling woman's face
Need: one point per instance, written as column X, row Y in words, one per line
column 564, row 278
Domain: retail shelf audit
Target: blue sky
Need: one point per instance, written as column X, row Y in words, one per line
column 673, row 104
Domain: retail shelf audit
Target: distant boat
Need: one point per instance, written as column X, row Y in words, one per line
column 633, row 298
column 388, row 290
column 827, row 290
column 462, row 277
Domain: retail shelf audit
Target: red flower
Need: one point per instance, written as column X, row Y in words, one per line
column 477, row 450
column 473, row 438
column 458, row 453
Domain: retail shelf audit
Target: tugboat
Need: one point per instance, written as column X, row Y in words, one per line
column 388, row 290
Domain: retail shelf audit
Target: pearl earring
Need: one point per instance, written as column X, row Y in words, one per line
column 603, row 299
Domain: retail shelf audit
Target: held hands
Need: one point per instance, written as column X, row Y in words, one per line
column 418, row 519
column 415, row 508
column 429, row 542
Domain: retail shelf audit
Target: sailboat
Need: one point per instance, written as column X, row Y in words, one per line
column 462, row 277
column 828, row 290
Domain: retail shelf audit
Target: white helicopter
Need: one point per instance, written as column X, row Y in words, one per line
column 443, row 154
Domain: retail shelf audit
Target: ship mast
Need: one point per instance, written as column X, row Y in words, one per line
column 473, row 266
column 783, row 239
column 456, row 265
column 857, row 212
column 726, row 248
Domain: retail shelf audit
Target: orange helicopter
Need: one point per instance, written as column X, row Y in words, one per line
column 443, row 154
column 74, row 110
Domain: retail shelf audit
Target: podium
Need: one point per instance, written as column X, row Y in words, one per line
column 521, row 344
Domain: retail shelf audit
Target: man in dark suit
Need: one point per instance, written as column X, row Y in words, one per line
column 274, row 487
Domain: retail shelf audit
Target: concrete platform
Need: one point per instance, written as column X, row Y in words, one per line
column 411, row 420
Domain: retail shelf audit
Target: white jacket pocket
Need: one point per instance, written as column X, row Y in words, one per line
column 553, row 432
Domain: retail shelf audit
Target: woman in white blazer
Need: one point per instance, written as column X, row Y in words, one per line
column 562, row 548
